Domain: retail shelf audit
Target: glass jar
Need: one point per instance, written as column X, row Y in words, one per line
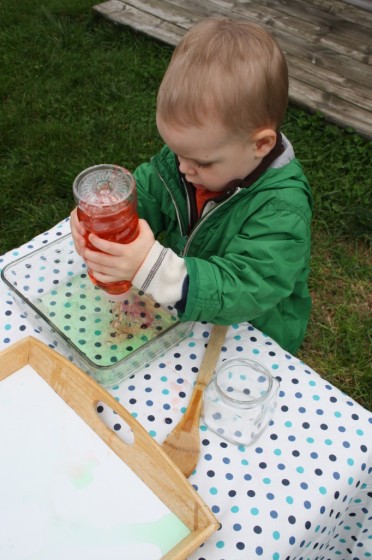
column 240, row 400
column 107, row 206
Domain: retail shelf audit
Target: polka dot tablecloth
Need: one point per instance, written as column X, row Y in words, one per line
column 303, row 491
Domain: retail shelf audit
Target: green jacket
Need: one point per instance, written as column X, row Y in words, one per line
column 248, row 257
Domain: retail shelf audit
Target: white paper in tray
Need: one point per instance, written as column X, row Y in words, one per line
column 64, row 494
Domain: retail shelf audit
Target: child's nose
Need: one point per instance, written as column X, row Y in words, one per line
column 186, row 166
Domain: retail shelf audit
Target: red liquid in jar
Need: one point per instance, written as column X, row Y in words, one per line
column 120, row 227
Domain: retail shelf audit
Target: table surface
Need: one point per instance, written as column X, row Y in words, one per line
column 303, row 491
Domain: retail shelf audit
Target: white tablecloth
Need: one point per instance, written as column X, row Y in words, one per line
column 303, row 491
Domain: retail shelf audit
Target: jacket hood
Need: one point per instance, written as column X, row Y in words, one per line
column 279, row 170
column 285, row 172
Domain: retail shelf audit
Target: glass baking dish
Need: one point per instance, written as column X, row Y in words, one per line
column 109, row 340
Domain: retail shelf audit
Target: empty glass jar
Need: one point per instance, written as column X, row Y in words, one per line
column 240, row 400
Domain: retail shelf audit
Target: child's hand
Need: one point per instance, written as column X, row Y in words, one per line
column 118, row 261
column 77, row 232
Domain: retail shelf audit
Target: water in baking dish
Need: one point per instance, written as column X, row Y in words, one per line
column 105, row 331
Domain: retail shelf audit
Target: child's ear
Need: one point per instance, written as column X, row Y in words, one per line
column 265, row 140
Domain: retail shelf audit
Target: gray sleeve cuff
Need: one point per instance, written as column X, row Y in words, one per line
column 161, row 275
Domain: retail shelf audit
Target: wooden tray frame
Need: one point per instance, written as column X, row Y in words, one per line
column 145, row 457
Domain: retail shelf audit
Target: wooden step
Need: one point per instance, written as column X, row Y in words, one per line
column 327, row 43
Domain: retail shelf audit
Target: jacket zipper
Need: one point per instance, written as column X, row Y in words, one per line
column 200, row 222
column 203, row 219
column 183, row 233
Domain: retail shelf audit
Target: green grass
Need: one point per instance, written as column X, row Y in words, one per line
column 76, row 91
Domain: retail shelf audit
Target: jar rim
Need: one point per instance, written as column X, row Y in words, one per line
column 239, row 402
column 104, row 173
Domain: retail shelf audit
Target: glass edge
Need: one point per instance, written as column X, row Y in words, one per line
column 54, row 328
column 238, row 402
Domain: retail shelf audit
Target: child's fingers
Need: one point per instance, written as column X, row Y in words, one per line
column 109, row 247
column 77, row 232
column 76, row 225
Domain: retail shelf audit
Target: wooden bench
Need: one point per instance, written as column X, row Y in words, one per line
column 327, row 44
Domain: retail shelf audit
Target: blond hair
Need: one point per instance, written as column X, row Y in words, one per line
column 225, row 69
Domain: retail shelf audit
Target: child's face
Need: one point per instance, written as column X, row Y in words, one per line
column 209, row 156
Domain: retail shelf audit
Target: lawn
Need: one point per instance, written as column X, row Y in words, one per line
column 77, row 91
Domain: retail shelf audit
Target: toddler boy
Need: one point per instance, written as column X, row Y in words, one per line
column 226, row 192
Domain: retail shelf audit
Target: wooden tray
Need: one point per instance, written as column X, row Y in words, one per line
column 144, row 457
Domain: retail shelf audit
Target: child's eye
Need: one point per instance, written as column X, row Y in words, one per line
column 203, row 165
